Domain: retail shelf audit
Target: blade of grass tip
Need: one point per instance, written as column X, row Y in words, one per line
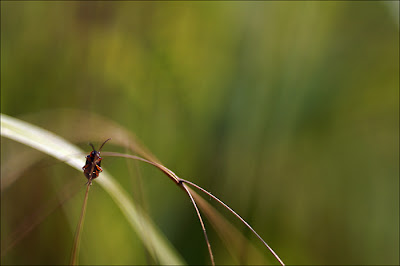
column 77, row 239
column 201, row 222
column 237, row 215
column 57, row 147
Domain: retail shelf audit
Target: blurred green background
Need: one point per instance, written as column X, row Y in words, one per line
column 287, row 111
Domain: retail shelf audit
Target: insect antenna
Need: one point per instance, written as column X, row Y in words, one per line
column 91, row 145
column 103, row 144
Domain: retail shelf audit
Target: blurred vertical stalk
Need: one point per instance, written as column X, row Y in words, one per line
column 77, row 240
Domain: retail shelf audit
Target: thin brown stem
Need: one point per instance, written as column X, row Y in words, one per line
column 237, row 215
column 230, row 235
column 201, row 222
column 180, row 182
column 77, row 239
column 177, row 180
column 164, row 169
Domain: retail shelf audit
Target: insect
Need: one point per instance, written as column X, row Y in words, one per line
column 92, row 167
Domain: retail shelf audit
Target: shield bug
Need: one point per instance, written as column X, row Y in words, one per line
column 92, row 167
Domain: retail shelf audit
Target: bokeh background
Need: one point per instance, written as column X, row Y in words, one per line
column 287, row 111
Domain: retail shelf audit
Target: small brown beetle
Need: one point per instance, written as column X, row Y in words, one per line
column 92, row 167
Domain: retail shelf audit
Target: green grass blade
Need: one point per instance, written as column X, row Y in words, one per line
column 40, row 139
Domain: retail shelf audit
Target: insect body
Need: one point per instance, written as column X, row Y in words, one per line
column 92, row 167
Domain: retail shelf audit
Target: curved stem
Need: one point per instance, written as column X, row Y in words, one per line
column 164, row 169
column 237, row 215
column 201, row 222
column 179, row 181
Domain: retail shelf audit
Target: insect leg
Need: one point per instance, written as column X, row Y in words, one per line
column 99, row 168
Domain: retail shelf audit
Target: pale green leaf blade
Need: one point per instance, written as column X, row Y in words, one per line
column 40, row 139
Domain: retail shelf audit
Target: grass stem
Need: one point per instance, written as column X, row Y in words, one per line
column 179, row 181
column 77, row 239
column 201, row 222
column 237, row 215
